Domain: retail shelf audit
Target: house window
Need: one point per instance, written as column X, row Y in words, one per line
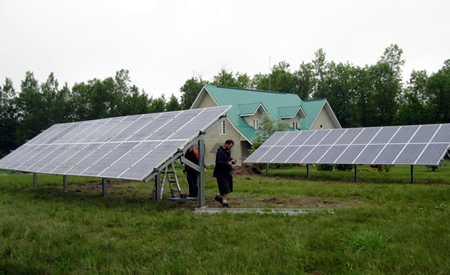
column 255, row 123
column 295, row 125
column 222, row 128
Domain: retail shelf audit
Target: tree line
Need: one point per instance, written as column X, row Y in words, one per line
column 372, row 95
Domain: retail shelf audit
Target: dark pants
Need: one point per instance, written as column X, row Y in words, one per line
column 192, row 178
column 225, row 185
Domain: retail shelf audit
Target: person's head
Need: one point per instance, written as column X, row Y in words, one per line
column 229, row 143
column 190, row 148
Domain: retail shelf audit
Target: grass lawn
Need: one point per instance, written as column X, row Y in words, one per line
column 382, row 225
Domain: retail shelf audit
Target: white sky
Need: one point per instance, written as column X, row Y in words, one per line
column 164, row 43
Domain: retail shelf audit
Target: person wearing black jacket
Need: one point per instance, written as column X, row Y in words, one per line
column 192, row 175
column 223, row 172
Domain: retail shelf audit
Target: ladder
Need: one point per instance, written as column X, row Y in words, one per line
column 171, row 177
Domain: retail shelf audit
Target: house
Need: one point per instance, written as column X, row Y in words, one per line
column 244, row 117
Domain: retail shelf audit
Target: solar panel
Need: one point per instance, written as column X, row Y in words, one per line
column 130, row 147
column 400, row 145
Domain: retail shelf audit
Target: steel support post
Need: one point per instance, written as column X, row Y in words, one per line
column 65, row 187
column 158, row 185
column 105, row 187
column 356, row 172
column 201, row 182
column 34, row 181
column 412, row 173
column 308, row 171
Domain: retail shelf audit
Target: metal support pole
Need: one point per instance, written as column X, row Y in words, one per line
column 158, row 194
column 412, row 173
column 65, row 187
column 356, row 172
column 201, row 182
column 308, row 174
column 267, row 168
column 105, row 187
column 34, row 181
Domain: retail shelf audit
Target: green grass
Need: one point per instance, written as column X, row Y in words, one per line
column 382, row 225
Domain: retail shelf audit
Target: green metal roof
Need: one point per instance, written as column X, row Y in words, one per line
column 288, row 111
column 312, row 109
column 245, row 100
column 248, row 108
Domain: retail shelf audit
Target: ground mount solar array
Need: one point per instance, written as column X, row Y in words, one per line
column 394, row 145
column 130, row 147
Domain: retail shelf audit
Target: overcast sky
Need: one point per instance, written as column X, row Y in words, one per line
column 164, row 43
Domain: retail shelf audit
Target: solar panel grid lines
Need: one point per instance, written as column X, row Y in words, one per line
column 398, row 145
column 64, row 161
column 100, row 158
column 143, row 157
column 312, row 152
column 335, row 141
column 345, row 150
column 32, row 167
column 113, row 146
column 384, row 145
column 277, row 141
column 304, row 142
column 370, row 141
column 408, row 141
column 428, row 143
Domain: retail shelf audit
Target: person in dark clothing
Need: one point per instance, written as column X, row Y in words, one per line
column 223, row 172
column 192, row 175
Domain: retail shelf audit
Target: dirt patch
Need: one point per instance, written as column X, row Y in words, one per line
column 97, row 185
column 245, row 170
column 300, row 202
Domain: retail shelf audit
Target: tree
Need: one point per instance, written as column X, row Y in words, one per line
column 304, row 81
column 8, row 118
column 386, row 91
column 172, row 104
column 31, row 108
column 414, row 102
column 134, row 102
column 190, row 90
column 267, row 128
column 340, row 81
column 157, row 105
column 438, row 90
column 393, row 56
column 320, row 70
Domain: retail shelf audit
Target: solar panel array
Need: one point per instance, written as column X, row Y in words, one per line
column 129, row 147
column 398, row 145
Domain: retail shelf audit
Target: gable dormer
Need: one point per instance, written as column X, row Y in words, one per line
column 292, row 115
column 252, row 112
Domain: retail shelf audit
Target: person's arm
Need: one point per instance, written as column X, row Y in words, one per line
column 221, row 159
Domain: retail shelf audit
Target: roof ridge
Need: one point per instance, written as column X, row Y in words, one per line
column 316, row 99
column 250, row 90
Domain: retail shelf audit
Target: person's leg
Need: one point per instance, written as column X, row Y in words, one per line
column 190, row 179
column 195, row 185
column 225, row 189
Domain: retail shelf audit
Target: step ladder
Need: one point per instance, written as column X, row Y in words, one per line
column 171, row 177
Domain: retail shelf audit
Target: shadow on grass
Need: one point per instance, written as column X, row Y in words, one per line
column 118, row 198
